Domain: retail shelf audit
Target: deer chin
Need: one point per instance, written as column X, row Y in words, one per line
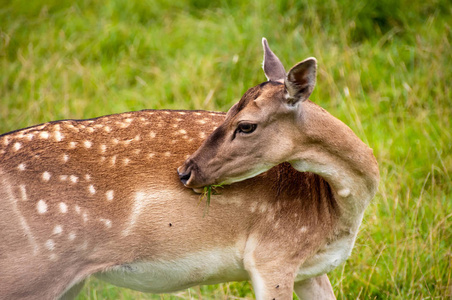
column 198, row 190
column 247, row 175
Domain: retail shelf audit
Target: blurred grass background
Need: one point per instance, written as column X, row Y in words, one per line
column 385, row 69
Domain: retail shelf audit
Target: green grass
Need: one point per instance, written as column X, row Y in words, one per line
column 385, row 69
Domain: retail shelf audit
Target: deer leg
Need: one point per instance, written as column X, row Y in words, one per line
column 276, row 286
column 271, row 279
column 73, row 291
column 315, row 288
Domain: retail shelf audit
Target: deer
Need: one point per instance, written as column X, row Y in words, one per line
column 117, row 196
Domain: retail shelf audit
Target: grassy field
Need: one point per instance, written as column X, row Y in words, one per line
column 385, row 69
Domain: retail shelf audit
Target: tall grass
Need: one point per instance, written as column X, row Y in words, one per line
column 385, row 69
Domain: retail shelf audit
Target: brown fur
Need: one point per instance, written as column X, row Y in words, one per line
column 291, row 197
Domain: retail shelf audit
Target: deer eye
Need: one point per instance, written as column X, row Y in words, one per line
column 246, row 128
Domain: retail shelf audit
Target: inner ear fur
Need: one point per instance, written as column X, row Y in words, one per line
column 300, row 80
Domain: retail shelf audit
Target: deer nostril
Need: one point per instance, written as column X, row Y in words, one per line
column 184, row 177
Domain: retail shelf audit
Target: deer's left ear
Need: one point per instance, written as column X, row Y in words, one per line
column 273, row 68
column 300, row 81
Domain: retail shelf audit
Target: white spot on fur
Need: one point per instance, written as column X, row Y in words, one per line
column 90, row 129
column 85, row 217
column 182, row 131
column 71, row 236
column 63, row 207
column 58, row 229
column 110, row 195
column 87, row 144
column 87, row 177
column 72, row 145
column 113, row 160
column 73, row 178
column 122, row 125
column 303, row 229
column 91, row 189
column 126, row 161
column 136, row 151
column 65, row 157
column 21, row 167
column 41, row 207
column 58, row 136
column 202, row 135
column 103, row 148
column 44, row 135
column 77, row 209
column 182, row 113
column 201, row 121
column 46, row 176
column 106, row 222
column 152, row 134
column 167, row 154
column 115, row 141
column 344, row 192
column 63, row 177
column 151, row 155
column 107, row 128
column 50, row 245
column 23, row 192
column 17, row 146
column 253, row 206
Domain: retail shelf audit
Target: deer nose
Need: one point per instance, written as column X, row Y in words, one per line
column 184, row 177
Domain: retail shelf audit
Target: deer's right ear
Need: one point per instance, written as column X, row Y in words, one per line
column 300, row 81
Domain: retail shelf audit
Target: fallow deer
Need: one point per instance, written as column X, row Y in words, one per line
column 102, row 196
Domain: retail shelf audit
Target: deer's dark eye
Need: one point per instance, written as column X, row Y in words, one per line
column 246, row 128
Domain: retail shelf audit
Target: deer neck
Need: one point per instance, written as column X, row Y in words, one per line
column 334, row 152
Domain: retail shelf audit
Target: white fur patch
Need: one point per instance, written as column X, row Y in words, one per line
column 327, row 259
column 41, row 207
column 165, row 276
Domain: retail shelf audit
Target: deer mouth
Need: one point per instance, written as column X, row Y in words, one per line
column 191, row 177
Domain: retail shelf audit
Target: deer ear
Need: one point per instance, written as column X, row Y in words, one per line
column 300, row 81
column 273, row 68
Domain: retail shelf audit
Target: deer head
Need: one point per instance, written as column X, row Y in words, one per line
column 263, row 129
